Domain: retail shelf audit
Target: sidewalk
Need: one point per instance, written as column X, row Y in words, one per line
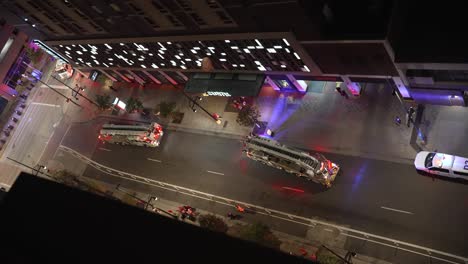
column 306, row 247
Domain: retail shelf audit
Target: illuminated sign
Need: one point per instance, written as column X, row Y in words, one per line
column 219, row 94
column 121, row 105
column 94, row 75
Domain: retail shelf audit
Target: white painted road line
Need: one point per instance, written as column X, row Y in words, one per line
column 396, row 210
column 104, row 149
column 53, row 105
column 154, row 160
column 214, row 172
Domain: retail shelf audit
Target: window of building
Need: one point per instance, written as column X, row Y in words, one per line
column 159, row 6
column 212, row 3
column 197, row 19
column 96, row 9
column 81, row 14
column 150, row 21
column 184, row 4
column 173, row 20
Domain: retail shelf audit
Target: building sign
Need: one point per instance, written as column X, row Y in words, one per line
column 218, row 94
column 93, row 76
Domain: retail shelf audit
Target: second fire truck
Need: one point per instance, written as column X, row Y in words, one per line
column 315, row 167
column 148, row 135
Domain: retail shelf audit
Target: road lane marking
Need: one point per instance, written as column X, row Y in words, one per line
column 44, row 104
column 394, row 243
column 104, row 149
column 396, row 210
column 154, row 160
column 214, row 172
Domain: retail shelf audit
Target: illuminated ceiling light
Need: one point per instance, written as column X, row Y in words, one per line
column 283, row 66
column 73, row 45
column 234, row 47
column 143, row 66
column 161, row 56
column 177, row 57
column 234, row 65
column 227, row 41
column 251, row 47
column 187, row 59
column 286, row 42
column 173, row 62
column 97, row 62
column 183, row 67
column 68, row 48
column 246, row 50
column 106, row 65
column 80, row 59
column 110, row 59
column 110, row 63
column 162, row 64
column 222, row 53
column 297, row 56
column 169, row 42
column 259, row 47
column 93, row 57
column 222, row 59
column 306, row 68
column 211, row 48
column 61, row 46
column 208, row 54
column 161, row 51
column 33, row 25
column 140, row 59
column 25, row 19
column 194, row 51
column 258, row 63
column 287, row 50
column 162, row 47
column 277, row 47
column 151, row 54
column 121, row 44
column 183, row 62
column 181, row 54
column 258, row 42
column 107, row 45
column 124, row 51
column 196, row 48
column 79, row 52
column 271, row 50
column 242, row 65
column 154, row 66
column 261, row 68
column 67, row 52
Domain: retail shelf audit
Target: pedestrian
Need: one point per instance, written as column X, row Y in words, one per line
column 240, row 208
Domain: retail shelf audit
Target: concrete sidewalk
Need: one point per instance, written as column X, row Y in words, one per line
column 301, row 247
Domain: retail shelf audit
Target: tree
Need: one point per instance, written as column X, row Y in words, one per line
column 261, row 234
column 104, row 101
column 134, row 105
column 248, row 116
column 213, row 223
column 166, row 108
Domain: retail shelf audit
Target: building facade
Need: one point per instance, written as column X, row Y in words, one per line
column 291, row 42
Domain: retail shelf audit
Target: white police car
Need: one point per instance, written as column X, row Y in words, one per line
column 442, row 164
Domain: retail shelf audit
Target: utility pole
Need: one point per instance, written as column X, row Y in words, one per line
column 145, row 202
column 76, row 92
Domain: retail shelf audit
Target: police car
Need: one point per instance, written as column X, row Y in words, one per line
column 442, row 164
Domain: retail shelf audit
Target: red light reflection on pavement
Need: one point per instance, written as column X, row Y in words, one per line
column 292, row 189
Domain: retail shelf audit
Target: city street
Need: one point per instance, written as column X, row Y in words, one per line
column 375, row 196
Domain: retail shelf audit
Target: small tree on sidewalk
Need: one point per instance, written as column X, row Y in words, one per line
column 103, row 101
column 166, row 108
column 134, row 105
column 212, row 222
column 261, row 234
column 248, row 116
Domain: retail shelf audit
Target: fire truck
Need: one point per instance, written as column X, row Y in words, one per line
column 314, row 167
column 147, row 135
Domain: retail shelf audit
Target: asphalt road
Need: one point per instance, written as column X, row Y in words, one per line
column 380, row 197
